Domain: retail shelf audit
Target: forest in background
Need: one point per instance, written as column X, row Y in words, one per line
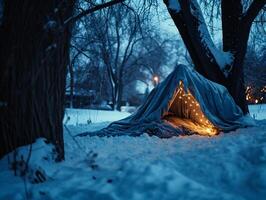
column 117, row 52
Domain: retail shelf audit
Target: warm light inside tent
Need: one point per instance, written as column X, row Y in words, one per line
column 184, row 110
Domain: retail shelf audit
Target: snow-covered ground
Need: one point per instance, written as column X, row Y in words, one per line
column 227, row 166
column 258, row 111
column 83, row 116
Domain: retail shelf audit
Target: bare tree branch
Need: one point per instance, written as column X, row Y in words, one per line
column 254, row 9
column 80, row 51
column 91, row 10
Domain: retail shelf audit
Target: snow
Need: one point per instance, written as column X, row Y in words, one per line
column 222, row 58
column 258, row 111
column 85, row 116
column 227, row 166
column 174, row 5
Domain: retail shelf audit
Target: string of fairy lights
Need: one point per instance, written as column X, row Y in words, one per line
column 183, row 105
column 194, row 107
column 183, row 109
column 255, row 96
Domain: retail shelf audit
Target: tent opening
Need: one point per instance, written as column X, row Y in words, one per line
column 184, row 110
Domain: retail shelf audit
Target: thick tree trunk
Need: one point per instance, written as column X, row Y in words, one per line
column 190, row 23
column 235, row 38
column 189, row 27
column 34, row 53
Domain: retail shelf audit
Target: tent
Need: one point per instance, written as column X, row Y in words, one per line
column 184, row 103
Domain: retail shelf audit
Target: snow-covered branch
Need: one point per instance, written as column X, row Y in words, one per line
column 223, row 59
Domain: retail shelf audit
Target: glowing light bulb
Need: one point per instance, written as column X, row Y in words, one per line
column 208, row 130
column 156, row 79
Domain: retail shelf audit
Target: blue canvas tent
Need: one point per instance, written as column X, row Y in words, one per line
column 184, row 103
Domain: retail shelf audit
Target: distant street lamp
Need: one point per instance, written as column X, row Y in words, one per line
column 155, row 80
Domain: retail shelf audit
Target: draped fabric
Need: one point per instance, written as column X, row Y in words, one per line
column 215, row 103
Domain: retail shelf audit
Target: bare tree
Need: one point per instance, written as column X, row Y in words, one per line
column 114, row 34
column 129, row 47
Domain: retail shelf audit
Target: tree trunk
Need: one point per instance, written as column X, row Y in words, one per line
column 34, row 53
column 71, row 74
column 120, row 86
column 189, row 28
column 120, row 95
column 235, row 38
column 192, row 27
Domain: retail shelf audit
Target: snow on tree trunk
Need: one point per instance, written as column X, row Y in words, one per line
column 190, row 26
column 223, row 59
column 224, row 67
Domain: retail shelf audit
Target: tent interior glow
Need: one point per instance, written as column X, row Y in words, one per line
column 184, row 110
